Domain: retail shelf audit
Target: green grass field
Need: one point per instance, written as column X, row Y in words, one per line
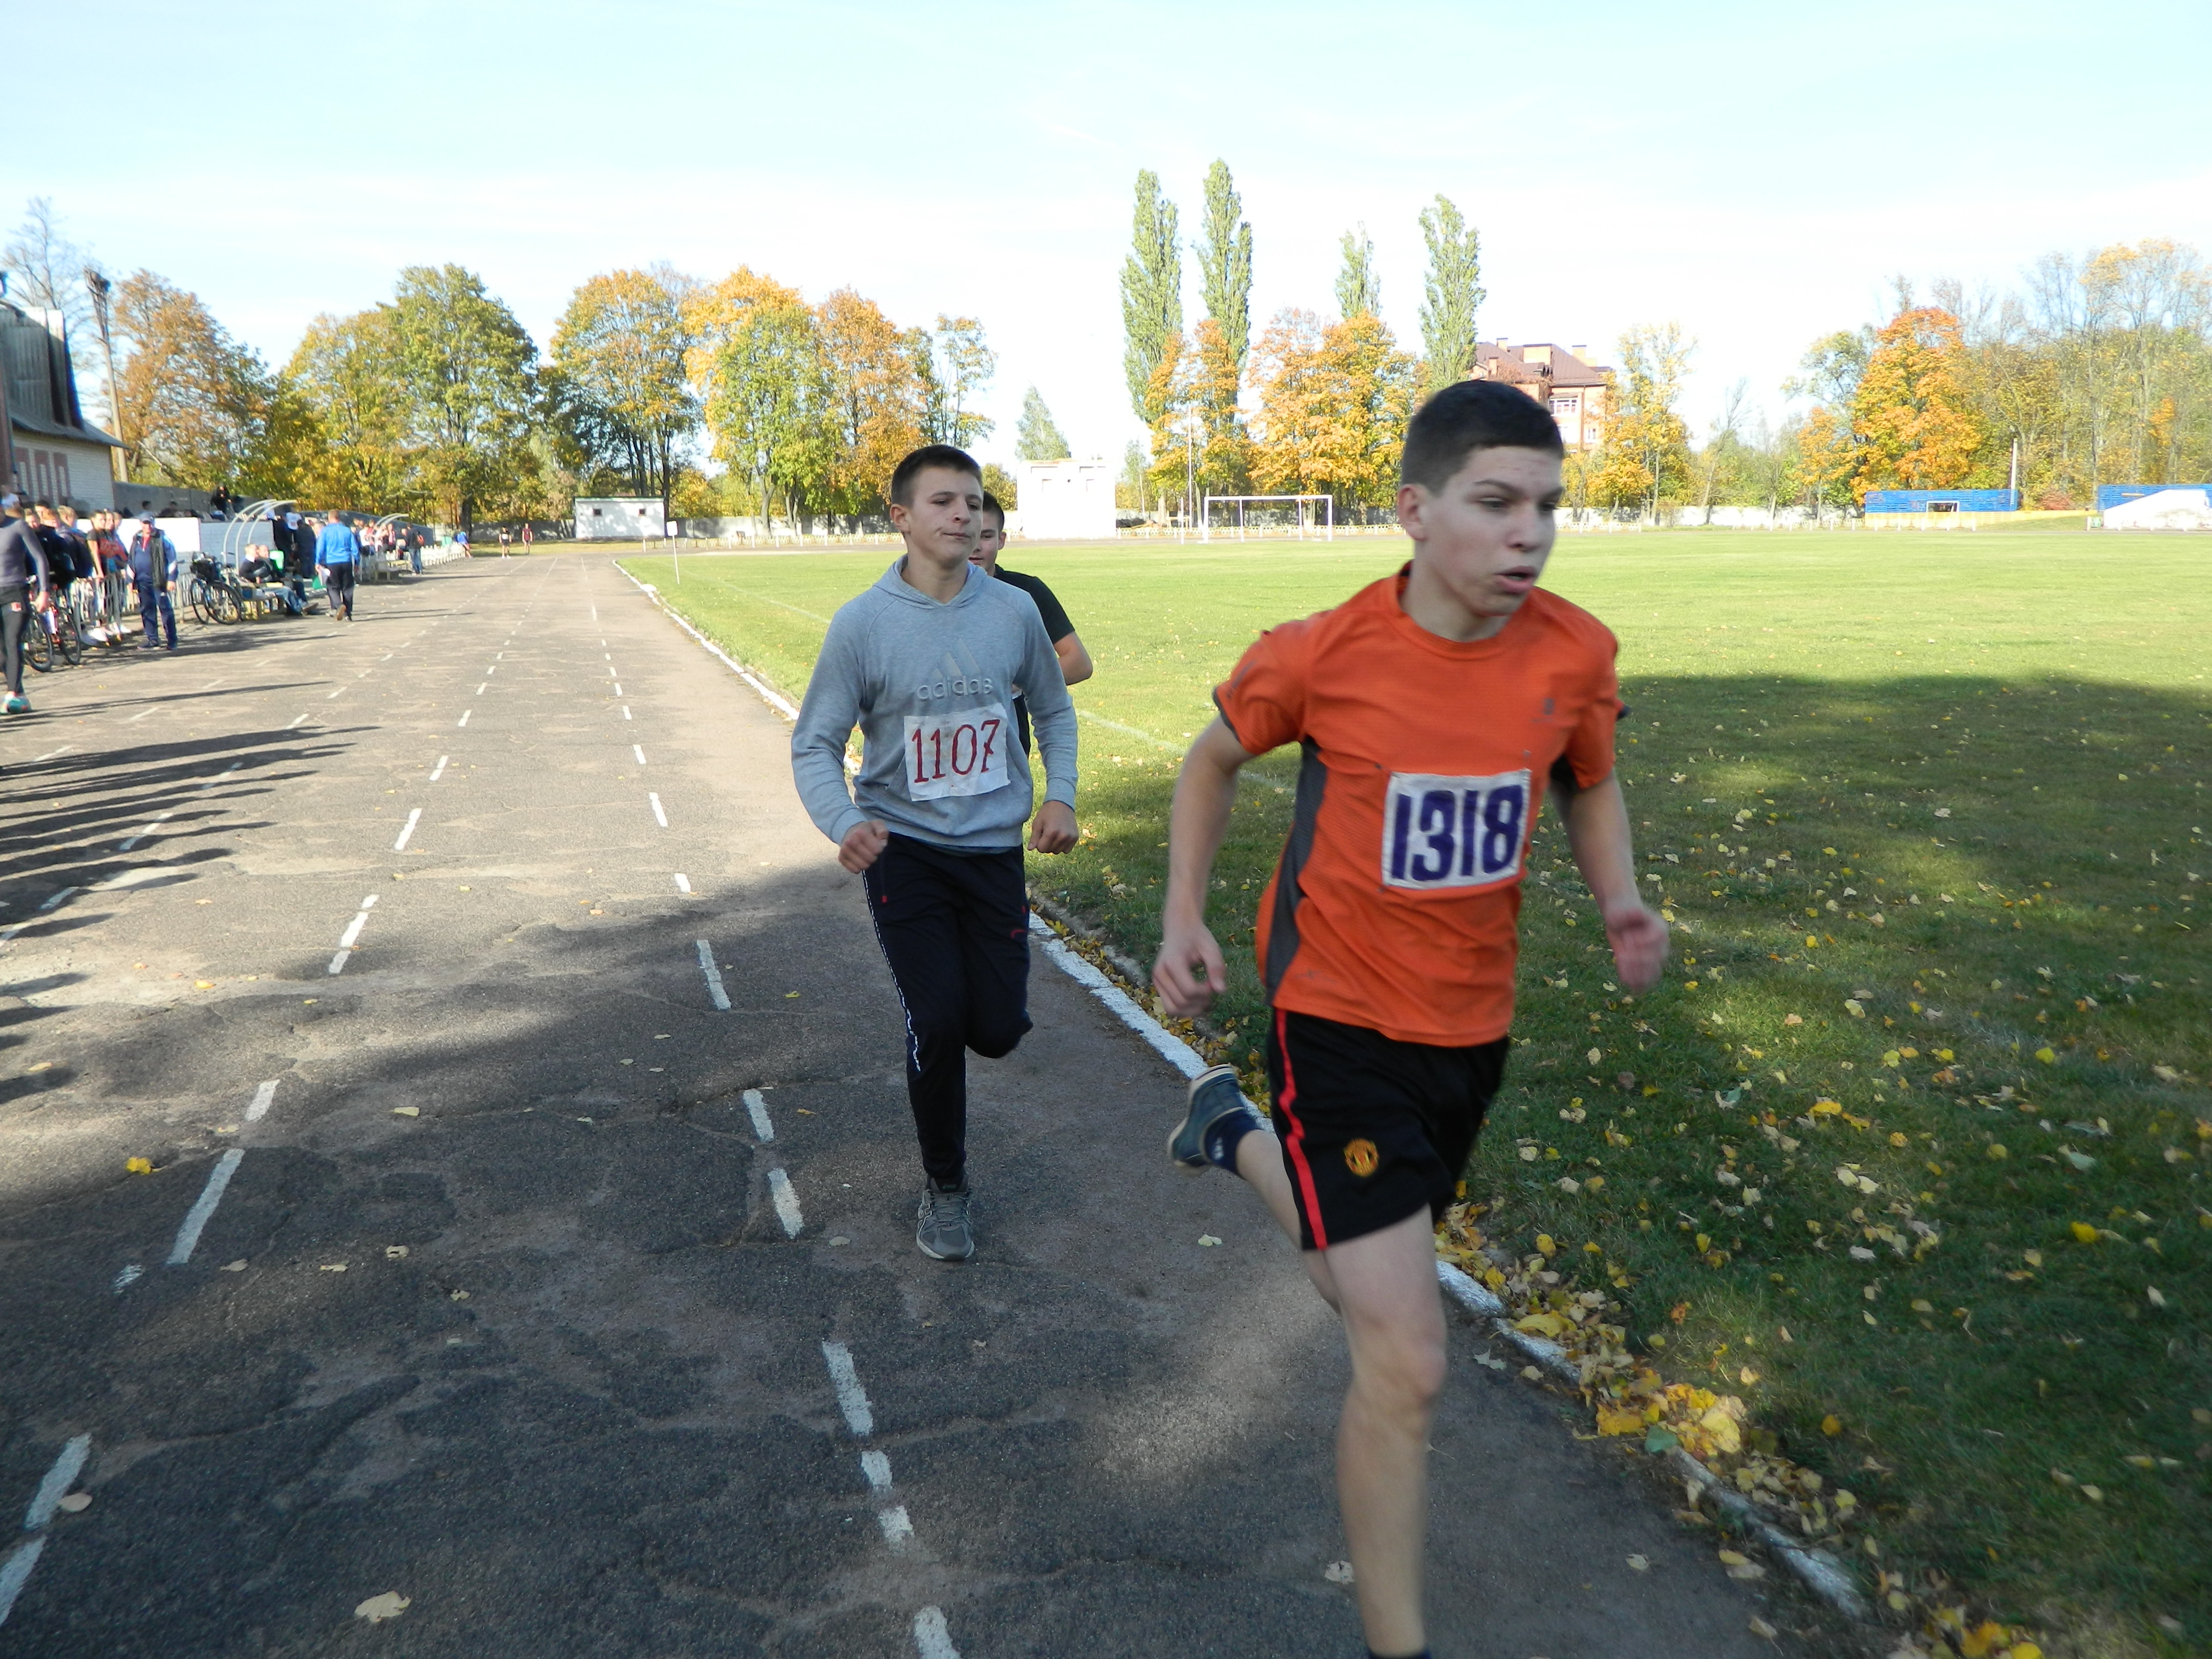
column 1928, row 812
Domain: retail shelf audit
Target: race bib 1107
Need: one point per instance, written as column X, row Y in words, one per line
column 1453, row 832
column 960, row 752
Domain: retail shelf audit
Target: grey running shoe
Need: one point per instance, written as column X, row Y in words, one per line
column 942, row 1230
column 1214, row 1097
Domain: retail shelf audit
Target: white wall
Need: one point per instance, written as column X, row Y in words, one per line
column 1066, row 501
column 90, row 472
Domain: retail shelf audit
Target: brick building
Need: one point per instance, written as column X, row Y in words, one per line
column 1557, row 377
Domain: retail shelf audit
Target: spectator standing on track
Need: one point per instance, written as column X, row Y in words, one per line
column 526, row 538
column 1435, row 708
column 338, row 552
column 114, row 561
column 153, row 573
column 1075, row 665
column 22, row 589
column 461, row 540
column 297, row 544
column 69, row 558
column 924, row 663
column 506, row 541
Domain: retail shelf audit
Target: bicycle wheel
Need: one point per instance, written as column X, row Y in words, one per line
column 72, row 647
column 226, row 603
column 38, row 644
column 197, row 597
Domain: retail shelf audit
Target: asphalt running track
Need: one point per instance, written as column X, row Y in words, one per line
column 530, row 1231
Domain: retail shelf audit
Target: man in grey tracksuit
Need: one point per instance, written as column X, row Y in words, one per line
column 927, row 663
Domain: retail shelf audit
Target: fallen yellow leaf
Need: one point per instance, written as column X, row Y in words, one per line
column 1832, row 1426
column 138, row 1166
column 377, row 1608
column 1759, row 1627
column 406, row 1111
column 2047, row 1056
column 1620, row 1420
column 2084, row 1233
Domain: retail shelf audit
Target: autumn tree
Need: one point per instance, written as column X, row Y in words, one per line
column 1151, row 298
column 1037, row 437
column 196, row 403
column 1454, row 294
column 1199, row 438
column 467, row 371
column 350, row 448
column 955, row 365
column 1224, row 264
column 618, row 353
column 769, row 403
column 1334, row 404
column 1911, row 416
column 879, row 403
column 1645, row 460
column 1359, row 288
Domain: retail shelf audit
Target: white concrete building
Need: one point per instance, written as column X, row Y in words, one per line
column 56, row 455
column 1066, row 501
column 620, row 519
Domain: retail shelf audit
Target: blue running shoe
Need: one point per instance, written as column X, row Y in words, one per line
column 1214, row 1097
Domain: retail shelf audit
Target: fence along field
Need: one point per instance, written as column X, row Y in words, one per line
column 1928, row 813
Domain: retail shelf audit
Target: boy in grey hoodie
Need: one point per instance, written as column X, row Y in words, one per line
column 927, row 663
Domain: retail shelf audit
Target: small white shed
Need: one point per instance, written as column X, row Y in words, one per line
column 1066, row 501
column 620, row 519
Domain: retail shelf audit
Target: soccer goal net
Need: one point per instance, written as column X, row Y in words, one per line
column 1271, row 515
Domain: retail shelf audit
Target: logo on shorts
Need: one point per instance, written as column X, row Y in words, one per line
column 1361, row 1158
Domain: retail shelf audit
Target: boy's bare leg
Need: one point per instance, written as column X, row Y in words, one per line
column 1394, row 1320
column 1260, row 1165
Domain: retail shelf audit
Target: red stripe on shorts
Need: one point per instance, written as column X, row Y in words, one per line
column 1294, row 1143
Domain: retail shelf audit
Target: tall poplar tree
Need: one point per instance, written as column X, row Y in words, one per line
column 1152, row 296
column 1224, row 263
column 1036, row 435
column 1454, row 293
column 1358, row 290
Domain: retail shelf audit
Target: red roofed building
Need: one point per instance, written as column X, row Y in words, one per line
column 1557, row 377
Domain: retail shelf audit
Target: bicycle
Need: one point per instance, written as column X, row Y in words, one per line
column 211, row 595
column 50, row 631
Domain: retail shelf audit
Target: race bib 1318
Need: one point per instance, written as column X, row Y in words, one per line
column 957, row 753
column 1453, row 832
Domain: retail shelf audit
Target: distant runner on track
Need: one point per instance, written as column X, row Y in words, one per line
column 926, row 662
column 1433, row 708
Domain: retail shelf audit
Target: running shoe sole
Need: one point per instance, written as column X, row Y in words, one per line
column 1213, row 1094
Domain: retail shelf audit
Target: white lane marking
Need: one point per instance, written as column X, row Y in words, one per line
column 9, row 933
column 140, row 716
column 657, row 813
column 618, row 690
column 221, row 775
column 769, row 694
column 188, row 1236
column 413, row 818
column 787, row 1203
column 338, row 962
column 898, row 1531
column 638, row 749
column 56, row 1486
column 386, row 657
column 611, row 668
column 1169, row 1046
column 852, row 1398
column 129, row 1275
column 595, row 613
column 716, row 994
column 930, row 1639
column 464, row 720
column 480, row 690
column 346, row 940
column 50, row 753
column 340, row 692
column 877, row 1468
column 491, row 670
column 264, row 1098
column 158, row 822
column 756, row 1108
column 682, row 882
column 294, row 721
column 625, row 711
column 56, row 899
column 17, row 1572
column 439, row 771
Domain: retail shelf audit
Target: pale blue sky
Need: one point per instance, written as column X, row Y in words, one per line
column 1755, row 171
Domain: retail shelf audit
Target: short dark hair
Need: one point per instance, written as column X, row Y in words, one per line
column 995, row 507
column 929, row 455
column 1467, row 415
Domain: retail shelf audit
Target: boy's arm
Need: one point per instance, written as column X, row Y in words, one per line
column 1597, row 831
column 1204, row 792
column 826, row 718
column 1052, row 713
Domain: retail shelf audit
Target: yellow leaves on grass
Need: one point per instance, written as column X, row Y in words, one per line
column 2083, row 1232
column 1832, row 1426
column 1619, row 1419
column 1826, row 1107
column 2047, row 1056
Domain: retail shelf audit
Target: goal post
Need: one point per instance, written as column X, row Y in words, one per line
column 1317, row 513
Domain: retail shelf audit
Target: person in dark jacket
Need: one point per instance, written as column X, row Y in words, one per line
column 153, row 570
column 22, row 587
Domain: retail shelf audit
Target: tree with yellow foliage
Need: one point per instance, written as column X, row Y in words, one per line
column 1911, row 414
column 1200, row 436
column 1333, row 404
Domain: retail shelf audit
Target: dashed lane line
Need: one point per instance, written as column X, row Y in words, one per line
column 682, row 882
column 618, row 690
column 16, row 1571
column 659, row 814
column 625, row 711
column 715, row 992
column 413, row 818
column 638, row 749
column 464, row 720
column 931, row 1639
column 347, row 940
column 787, row 1203
column 480, row 690
column 53, row 902
column 756, row 1108
column 50, row 753
column 294, row 722
column 151, row 828
column 142, row 712
column 439, row 771
column 196, row 1218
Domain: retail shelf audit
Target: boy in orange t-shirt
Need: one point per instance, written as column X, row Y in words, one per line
column 1433, row 709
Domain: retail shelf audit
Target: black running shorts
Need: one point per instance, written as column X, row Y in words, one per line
column 1373, row 1129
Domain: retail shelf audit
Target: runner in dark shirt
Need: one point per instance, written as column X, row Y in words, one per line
column 1075, row 665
